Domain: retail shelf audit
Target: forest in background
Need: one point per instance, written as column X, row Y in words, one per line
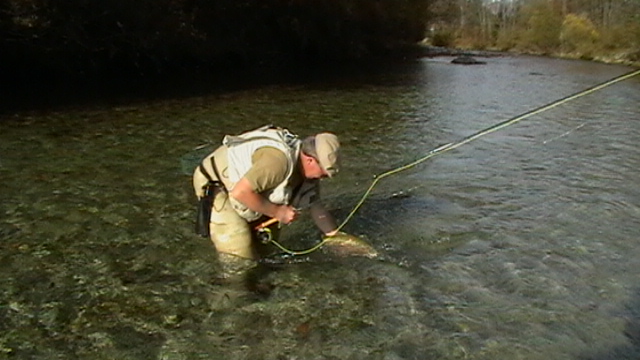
column 603, row 30
column 71, row 39
column 49, row 43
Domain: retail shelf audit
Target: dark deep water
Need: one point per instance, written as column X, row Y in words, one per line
column 520, row 245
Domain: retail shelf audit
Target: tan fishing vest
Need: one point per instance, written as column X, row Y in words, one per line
column 240, row 149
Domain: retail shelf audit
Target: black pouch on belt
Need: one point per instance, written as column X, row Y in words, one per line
column 204, row 210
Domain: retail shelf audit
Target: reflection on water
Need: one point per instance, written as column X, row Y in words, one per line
column 522, row 244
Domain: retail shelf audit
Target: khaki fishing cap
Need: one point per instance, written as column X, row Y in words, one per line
column 327, row 153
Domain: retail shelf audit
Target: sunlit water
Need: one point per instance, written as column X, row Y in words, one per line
column 522, row 244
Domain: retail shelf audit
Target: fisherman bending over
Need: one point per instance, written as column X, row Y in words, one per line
column 262, row 174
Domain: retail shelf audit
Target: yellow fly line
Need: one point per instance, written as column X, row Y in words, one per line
column 451, row 146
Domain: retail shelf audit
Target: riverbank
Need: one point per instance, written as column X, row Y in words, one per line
column 620, row 58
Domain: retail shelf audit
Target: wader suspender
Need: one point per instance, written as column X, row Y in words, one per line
column 217, row 183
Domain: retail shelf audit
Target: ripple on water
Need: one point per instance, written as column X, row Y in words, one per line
column 519, row 245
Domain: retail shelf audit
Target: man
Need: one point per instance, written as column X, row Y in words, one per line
column 262, row 174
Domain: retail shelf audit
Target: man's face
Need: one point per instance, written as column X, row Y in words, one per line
column 311, row 167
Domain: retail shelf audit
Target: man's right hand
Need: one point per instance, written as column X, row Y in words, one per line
column 286, row 214
column 243, row 192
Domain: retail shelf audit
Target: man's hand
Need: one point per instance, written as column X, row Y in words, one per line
column 286, row 214
column 244, row 193
column 332, row 233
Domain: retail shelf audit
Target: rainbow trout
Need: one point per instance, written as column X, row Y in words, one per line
column 343, row 245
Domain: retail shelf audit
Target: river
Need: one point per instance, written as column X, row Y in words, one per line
column 522, row 244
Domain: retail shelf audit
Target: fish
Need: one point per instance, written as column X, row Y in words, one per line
column 343, row 245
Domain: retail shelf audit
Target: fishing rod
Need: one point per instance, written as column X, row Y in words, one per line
column 454, row 145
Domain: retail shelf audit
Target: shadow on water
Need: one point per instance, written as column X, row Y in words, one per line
column 53, row 93
column 631, row 351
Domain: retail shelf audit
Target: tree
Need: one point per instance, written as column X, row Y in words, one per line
column 157, row 37
column 544, row 22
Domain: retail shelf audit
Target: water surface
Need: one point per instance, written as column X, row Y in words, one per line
column 520, row 245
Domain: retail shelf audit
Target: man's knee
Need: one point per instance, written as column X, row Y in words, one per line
column 234, row 266
column 233, row 241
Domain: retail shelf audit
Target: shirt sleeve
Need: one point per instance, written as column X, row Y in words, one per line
column 270, row 168
column 306, row 194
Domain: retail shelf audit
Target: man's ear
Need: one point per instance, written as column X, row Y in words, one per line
column 310, row 159
column 306, row 158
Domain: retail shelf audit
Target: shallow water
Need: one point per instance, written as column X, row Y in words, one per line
column 520, row 245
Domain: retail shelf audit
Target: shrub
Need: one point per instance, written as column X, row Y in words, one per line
column 507, row 40
column 579, row 35
column 442, row 38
